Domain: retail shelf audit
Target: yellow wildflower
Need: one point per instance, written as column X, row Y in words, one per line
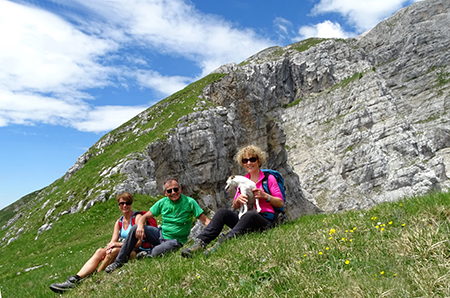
column 347, row 262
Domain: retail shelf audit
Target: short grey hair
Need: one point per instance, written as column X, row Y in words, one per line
column 169, row 180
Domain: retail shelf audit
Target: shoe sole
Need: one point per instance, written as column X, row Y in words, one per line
column 110, row 271
column 58, row 290
column 186, row 253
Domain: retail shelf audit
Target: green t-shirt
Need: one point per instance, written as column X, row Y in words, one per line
column 177, row 217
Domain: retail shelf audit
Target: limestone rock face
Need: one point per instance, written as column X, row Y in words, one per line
column 385, row 135
column 348, row 123
column 370, row 125
column 201, row 155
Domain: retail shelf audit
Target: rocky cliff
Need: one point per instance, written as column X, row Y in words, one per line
column 381, row 131
column 349, row 123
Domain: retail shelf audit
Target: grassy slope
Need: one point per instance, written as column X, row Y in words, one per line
column 289, row 261
column 396, row 249
column 163, row 116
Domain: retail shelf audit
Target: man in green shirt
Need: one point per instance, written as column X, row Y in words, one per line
column 178, row 213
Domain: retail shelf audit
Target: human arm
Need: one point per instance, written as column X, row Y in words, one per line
column 140, row 233
column 137, row 218
column 275, row 197
column 204, row 219
column 274, row 201
column 239, row 199
column 114, row 239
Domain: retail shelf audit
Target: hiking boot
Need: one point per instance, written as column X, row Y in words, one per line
column 143, row 254
column 113, row 266
column 197, row 246
column 71, row 282
column 216, row 245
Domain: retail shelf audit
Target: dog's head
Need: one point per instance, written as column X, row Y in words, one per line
column 230, row 182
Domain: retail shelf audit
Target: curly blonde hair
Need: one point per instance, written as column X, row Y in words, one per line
column 251, row 151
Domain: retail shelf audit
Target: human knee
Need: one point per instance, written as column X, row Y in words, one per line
column 133, row 229
column 167, row 246
column 250, row 214
column 113, row 254
column 221, row 213
column 100, row 253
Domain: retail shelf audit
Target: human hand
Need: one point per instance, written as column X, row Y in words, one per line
column 140, row 233
column 241, row 200
column 260, row 194
column 110, row 246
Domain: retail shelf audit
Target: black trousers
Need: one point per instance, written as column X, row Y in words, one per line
column 249, row 222
column 152, row 235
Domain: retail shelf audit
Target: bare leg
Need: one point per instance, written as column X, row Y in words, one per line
column 132, row 255
column 109, row 258
column 92, row 263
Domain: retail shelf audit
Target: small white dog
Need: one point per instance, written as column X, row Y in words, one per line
column 245, row 187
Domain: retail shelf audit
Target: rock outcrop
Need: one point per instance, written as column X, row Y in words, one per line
column 349, row 124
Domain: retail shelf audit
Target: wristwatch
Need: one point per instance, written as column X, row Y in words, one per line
column 268, row 200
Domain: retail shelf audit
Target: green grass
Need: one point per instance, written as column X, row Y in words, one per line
column 8, row 212
column 443, row 77
column 163, row 116
column 306, row 44
column 294, row 103
column 346, row 81
column 396, row 249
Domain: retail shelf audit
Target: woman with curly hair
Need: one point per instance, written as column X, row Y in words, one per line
column 250, row 158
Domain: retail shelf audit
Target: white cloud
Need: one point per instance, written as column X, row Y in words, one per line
column 282, row 24
column 107, row 117
column 283, row 27
column 326, row 29
column 28, row 108
column 163, row 84
column 176, row 28
column 362, row 15
column 48, row 62
column 43, row 53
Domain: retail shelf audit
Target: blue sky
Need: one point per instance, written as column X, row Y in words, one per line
column 72, row 70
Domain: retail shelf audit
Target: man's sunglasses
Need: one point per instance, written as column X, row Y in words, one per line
column 176, row 189
column 251, row 159
column 125, row 203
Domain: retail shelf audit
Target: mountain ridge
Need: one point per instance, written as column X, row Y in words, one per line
column 349, row 123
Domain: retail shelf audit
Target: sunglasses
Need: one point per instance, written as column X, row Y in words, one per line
column 251, row 159
column 176, row 189
column 125, row 203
